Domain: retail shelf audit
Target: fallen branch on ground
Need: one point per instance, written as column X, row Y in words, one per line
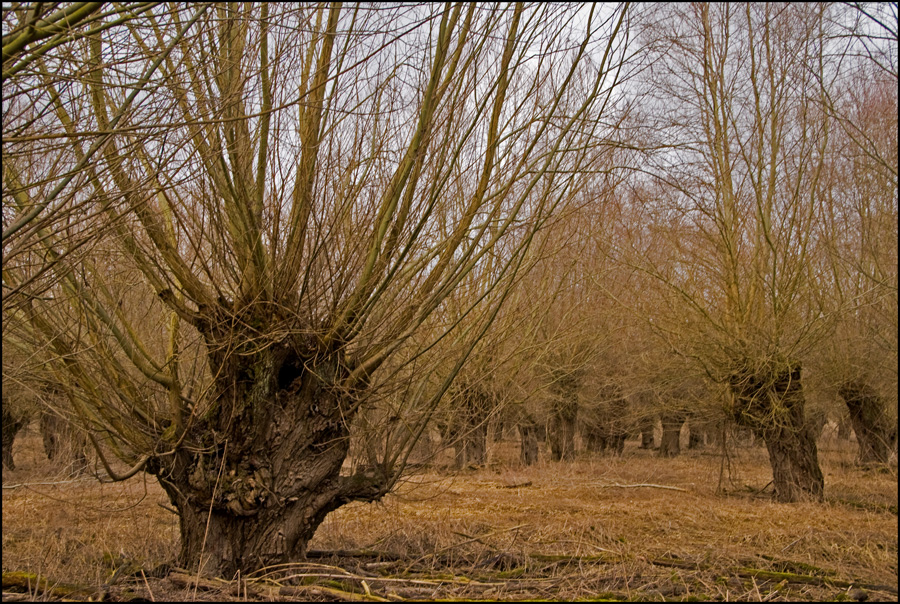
column 810, row 580
column 40, row 484
column 39, row 585
column 652, row 486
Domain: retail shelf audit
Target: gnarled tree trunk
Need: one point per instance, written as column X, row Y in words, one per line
column 771, row 404
column 647, row 425
column 468, row 427
column 529, row 452
column 271, row 473
column 876, row 433
column 561, row 430
column 670, row 443
column 63, row 442
column 696, row 434
column 11, row 426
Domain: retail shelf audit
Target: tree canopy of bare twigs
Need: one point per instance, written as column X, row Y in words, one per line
column 237, row 225
column 740, row 105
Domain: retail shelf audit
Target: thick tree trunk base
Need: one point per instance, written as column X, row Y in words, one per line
column 670, row 443
column 647, row 426
column 696, row 436
column 225, row 540
column 11, row 427
column 529, row 453
column 562, row 438
column 772, row 405
column 223, row 544
column 876, row 432
column 795, row 469
column 471, row 449
column 265, row 470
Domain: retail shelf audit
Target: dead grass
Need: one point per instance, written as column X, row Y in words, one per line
column 552, row 531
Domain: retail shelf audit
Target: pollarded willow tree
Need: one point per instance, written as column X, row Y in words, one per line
column 859, row 360
column 740, row 111
column 280, row 200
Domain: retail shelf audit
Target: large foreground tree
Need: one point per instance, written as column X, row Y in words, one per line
column 279, row 200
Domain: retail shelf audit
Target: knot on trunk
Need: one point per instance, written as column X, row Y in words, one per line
column 241, row 491
column 767, row 398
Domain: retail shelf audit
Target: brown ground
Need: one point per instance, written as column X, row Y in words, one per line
column 598, row 528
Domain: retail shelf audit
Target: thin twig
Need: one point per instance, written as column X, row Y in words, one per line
column 34, row 484
column 147, row 583
column 469, row 540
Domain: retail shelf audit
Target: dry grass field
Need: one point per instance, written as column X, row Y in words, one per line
column 631, row 528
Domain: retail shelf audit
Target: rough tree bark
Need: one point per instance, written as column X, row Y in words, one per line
column 647, row 424
column 468, row 427
column 696, row 434
column 563, row 417
column 529, row 432
column 604, row 427
column 271, row 469
column 670, row 443
column 63, row 442
column 11, row 426
column 876, row 433
column 770, row 401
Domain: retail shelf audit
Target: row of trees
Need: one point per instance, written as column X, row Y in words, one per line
column 246, row 239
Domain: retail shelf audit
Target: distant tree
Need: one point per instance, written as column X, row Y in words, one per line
column 19, row 400
column 736, row 110
column 859, row 359
column 12, row 423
